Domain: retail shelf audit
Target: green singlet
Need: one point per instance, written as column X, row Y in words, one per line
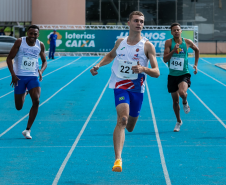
column 178, row 64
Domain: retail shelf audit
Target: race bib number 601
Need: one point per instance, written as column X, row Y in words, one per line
column 125, row 70
column 28, row 64
column 177, row 63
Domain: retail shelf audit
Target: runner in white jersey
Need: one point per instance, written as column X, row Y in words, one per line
column 25, row 72
column 128, row 75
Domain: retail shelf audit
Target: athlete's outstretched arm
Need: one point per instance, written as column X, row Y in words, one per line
column 107, row 58
column 167, row 54
column 43, row 58
column 196, row 49
column 10, row 58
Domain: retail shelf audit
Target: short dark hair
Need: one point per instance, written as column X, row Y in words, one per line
column 174, row 24
column 135, row 13
column 33, row 26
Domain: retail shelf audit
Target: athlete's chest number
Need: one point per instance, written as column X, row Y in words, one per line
column 125, row 70
column 28, row 64
column 177, row 63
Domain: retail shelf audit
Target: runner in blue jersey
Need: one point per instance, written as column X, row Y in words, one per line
column 129, row 73
column 176, row 54
column 25, row 72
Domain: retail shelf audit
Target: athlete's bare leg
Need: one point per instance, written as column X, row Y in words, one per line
column 19, row 100
column 131, row 123
column 119, row 132
column 183, row 87
column 176, row 106
column 35, row 95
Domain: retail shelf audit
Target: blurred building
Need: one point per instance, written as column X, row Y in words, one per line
column 209, row 15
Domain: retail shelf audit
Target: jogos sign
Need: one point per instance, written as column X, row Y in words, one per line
column 103, row 40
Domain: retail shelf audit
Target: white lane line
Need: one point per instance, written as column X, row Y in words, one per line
column 222, row 123
column 47, row 74
column 38, row 65
column 77, row 139
column 206, row 61
column 49, row 98
column 138, row 146
column 5, row 77
column 210, row 77
column 163, row 162
column 6, row 94
column 62, row 67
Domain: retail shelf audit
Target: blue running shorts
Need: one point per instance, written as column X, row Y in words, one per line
column 28, row 82
column 134, row 99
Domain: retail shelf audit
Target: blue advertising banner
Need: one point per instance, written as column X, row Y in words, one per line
column 104, row 40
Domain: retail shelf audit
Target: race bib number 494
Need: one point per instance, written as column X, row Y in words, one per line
column 125, row 70
column 28, row 64
column 177, row 63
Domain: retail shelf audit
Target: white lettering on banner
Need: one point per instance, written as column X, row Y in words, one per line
column 154, row 36
column 80, row 43
column 149, row 36
column 158, row 43
column 162, row 36
column 74, row 44
column 92, row 43
column 79, row 36
column 122, row 35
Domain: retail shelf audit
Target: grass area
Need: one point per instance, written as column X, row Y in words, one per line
column 2, row 59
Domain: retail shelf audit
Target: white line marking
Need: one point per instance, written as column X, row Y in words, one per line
column 163, row 162
column 6, row 94
column 48, row 98
column 210, row 77
column 54, row 60
column 205, row 61
column 47, row 74
column 62, row 67
column 77, row 139
column 222, row 123
column 145, row 146
column 5, row 77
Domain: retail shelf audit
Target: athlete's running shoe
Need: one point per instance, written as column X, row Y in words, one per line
column 177, row 126
column 117, row 166
column 186, row 108
column 26, row 134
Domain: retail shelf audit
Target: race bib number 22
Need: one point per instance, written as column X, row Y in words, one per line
column 125, row 70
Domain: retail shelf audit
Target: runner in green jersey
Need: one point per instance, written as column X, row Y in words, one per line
column 176, row 54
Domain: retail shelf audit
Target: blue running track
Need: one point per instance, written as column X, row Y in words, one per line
column 72, row 140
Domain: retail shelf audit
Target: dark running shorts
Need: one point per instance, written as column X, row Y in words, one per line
column 28, row 82
column 173, row 82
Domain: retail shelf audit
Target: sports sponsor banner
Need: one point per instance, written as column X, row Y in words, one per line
column 104, row 40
